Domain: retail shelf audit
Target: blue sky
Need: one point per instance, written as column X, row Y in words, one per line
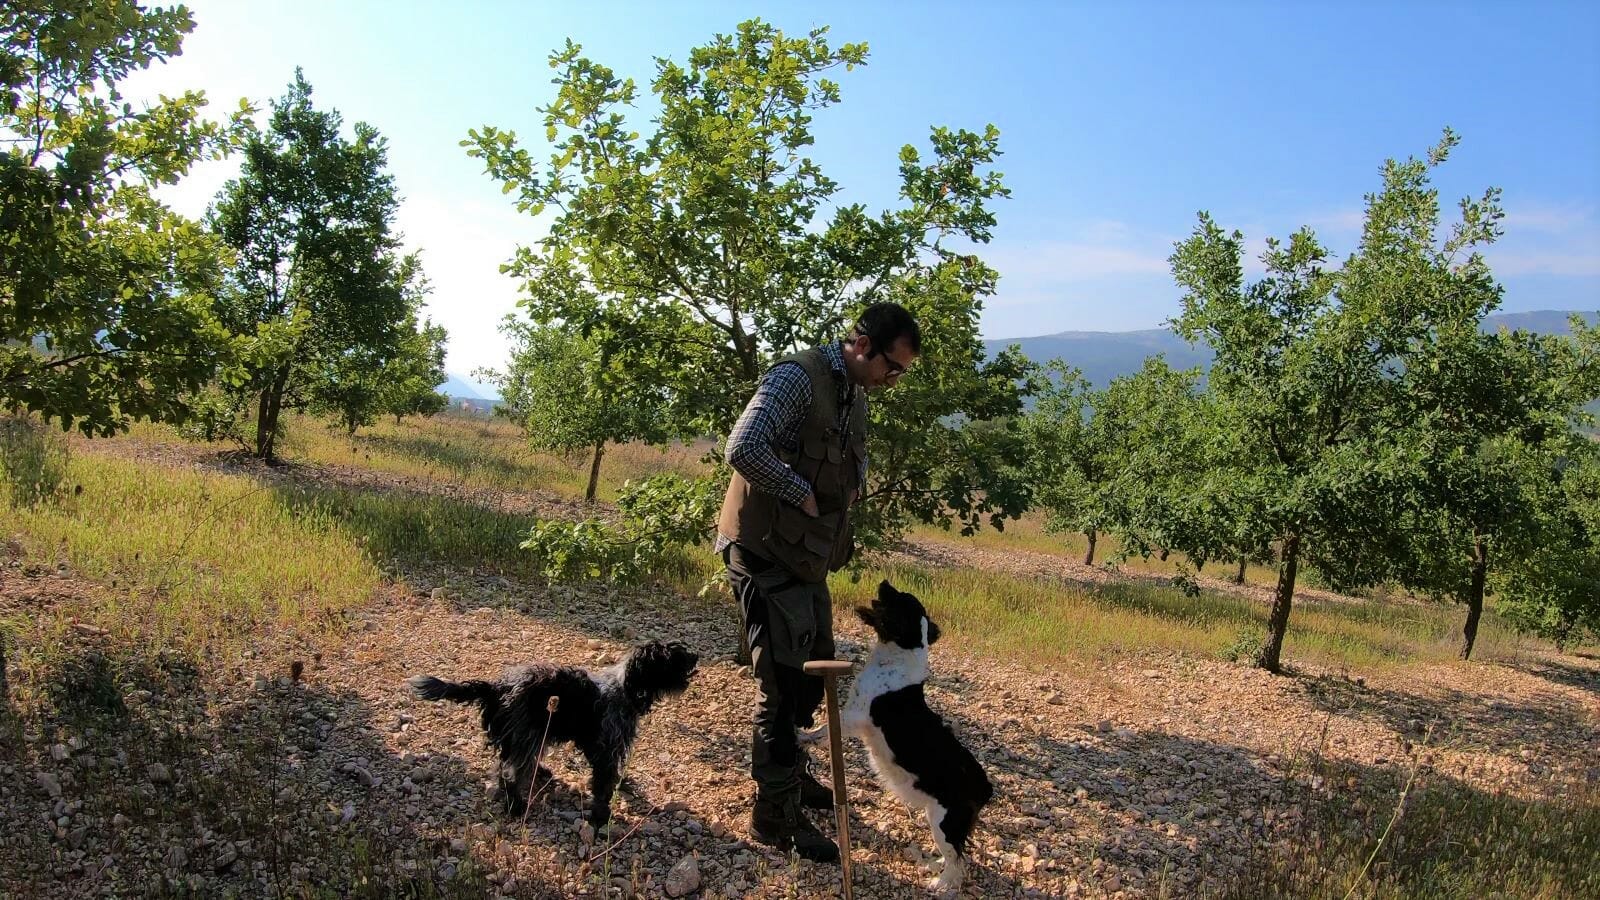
column 1118, row 121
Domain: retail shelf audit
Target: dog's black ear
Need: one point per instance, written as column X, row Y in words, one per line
column 868, row 616
column 886, row 591
column 933, row 633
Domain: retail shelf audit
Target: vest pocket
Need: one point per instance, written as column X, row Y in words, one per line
column 803, row 544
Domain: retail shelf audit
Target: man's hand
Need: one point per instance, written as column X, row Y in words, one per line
column 809, row 505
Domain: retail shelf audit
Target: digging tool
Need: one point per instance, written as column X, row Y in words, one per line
column 830, row 670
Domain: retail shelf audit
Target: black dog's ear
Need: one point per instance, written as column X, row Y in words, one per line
column 868, row 616
column 933, row 633
column 886, row 591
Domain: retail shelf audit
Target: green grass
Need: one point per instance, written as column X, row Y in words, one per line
column 1051, row 621
column 1447, row 840
column 1044, row 620
column 188, row 555
column 478, row 452
column 1029, row 533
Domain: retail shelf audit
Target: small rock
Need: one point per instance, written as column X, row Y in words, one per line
column 176, row 858
column 1103, row 725
column 119, row 821
column 585, row 832
column 438, row 595
column 50, row 784
column 684, row 879
column 457, row 845
column 59, row 752
column 261, row 683
column 226, row 858
column 159, row 773
column 77, row 743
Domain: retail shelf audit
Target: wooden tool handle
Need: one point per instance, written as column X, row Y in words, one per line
column 829, row 666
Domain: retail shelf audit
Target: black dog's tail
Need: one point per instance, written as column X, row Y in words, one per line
column 427, row 687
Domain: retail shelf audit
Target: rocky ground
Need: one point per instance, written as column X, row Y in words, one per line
column 303, row 768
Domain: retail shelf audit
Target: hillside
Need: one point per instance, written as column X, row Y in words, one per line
column 208, row 700
column 1105, row 355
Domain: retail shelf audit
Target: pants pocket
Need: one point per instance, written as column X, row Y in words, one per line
column 792, row 623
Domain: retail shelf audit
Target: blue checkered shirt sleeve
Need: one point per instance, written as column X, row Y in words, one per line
column 781, row 402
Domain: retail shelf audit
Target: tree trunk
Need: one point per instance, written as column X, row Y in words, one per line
column 267, row 416
column 1282, row 599
column 1243, row 562
column 594, row 471
column 1480, row 574
column 1088, row 558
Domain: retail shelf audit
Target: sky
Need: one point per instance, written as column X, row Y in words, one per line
column 1118, row 123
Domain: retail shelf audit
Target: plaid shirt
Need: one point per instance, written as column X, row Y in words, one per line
column 773, row 418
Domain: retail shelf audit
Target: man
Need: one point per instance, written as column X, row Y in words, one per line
column 800, row 461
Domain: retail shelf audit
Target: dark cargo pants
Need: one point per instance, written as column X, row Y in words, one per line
column 787, row 622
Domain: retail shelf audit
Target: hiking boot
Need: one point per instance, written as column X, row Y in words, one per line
column 781, row 824
column 814, row 794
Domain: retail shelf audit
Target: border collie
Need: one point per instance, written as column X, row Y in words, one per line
column 916, row 755
column 538, row 706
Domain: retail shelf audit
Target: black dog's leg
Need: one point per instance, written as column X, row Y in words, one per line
column 607, row 772
column 514, row 786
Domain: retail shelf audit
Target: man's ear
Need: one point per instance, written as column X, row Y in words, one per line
column 933, row 633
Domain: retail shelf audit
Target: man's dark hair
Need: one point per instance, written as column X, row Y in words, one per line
column 886, row 323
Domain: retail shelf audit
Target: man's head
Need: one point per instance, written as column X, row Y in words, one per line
column 884, row 343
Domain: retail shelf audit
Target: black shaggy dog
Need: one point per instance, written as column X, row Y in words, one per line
column 917, row 757
column 542, row 705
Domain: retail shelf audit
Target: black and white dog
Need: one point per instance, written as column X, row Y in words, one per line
column 916, row 755
column 538, row 706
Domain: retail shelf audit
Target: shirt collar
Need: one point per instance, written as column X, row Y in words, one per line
column 834, row 352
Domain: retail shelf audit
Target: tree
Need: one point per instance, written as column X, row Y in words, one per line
column 701, row 252
column 395, row 377
column 1553, row 588
column 567, row 395
column 411, row 378
column 105, row 294
column 1308, row 360
column 319, row 285
column 1479, row 410
column 1073, row 450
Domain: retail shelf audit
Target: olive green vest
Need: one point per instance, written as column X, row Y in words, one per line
column 830, row 462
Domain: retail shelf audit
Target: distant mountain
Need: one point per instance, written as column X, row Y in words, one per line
column 1105, row 355
column 460, row 388
column 1543, row 321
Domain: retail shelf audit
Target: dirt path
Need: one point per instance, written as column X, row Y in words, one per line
column 1149, row 775
column 1154, row 775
